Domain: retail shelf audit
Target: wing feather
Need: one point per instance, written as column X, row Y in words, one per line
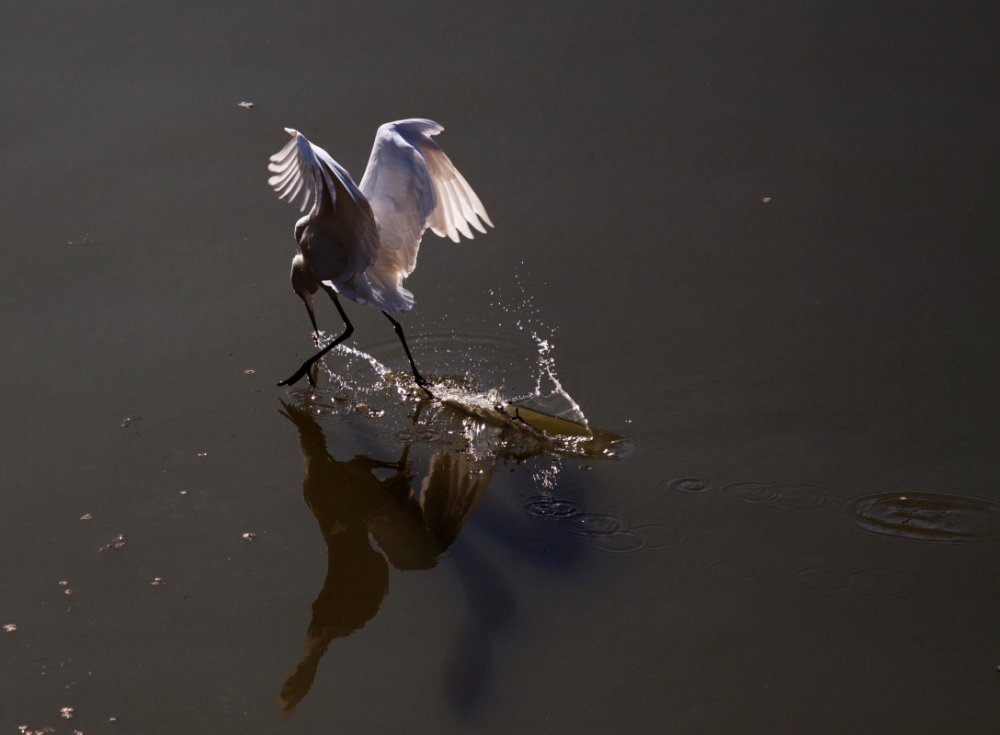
column 412, row 185
column 339, row 237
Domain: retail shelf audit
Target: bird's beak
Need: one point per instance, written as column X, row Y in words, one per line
column 292, row 131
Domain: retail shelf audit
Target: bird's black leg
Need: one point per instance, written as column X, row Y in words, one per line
column 304, row 370
column 312, row 318
column 416, row 373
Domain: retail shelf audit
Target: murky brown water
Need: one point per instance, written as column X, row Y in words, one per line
column 756, row 241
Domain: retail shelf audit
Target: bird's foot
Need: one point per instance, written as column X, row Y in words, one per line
column 306, row 371
column 423, row 384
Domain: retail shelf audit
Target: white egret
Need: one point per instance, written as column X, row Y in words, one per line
column 362, row 241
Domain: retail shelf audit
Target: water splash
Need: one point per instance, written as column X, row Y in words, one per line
column 468, row 405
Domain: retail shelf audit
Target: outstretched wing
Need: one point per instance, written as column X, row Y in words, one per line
column 301, row 167
column 412, row 185
column 341, row 238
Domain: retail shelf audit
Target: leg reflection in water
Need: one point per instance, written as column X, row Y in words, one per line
column 351, row 504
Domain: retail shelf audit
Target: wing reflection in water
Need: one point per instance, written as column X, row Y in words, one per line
column 352, row 504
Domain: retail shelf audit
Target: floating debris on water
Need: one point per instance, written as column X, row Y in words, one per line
column 131, row 421
column 249, row 536
column 66, row 712
column 157, row 582
column 64, row 582
column 86, row 517
column 246, row 105
column 116, row 543
column 202, row 454
column 69, row 592
column 10, row 627
column 249, row 372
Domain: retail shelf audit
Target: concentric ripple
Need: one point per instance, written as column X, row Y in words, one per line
column 690, row 485
column 798, row 498
column 750, row 492
column 594, row 523
column 548, row 506
column 732, row 570
column 659, row 536
column 881, row 583
column 921, row 516
column 625, row 541
column 822, row 579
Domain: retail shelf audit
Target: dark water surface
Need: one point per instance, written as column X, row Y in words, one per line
column 759, row 240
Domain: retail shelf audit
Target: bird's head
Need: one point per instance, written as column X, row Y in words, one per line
column 293, row 132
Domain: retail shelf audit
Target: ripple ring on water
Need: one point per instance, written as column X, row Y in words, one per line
column 732, row 570
column 750, row 492
column 593, row 523
column 823, row 579
column 659, row 536
column 690, row 485
column 922, row 516
column 626, row 541
column 800, row 498
column 881, row 583
column 548, row 506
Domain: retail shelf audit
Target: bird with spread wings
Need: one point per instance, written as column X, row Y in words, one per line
column 362, row 241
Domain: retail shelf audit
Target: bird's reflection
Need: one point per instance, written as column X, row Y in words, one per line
column 351, row 505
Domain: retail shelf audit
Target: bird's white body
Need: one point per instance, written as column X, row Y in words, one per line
column 362, row 241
